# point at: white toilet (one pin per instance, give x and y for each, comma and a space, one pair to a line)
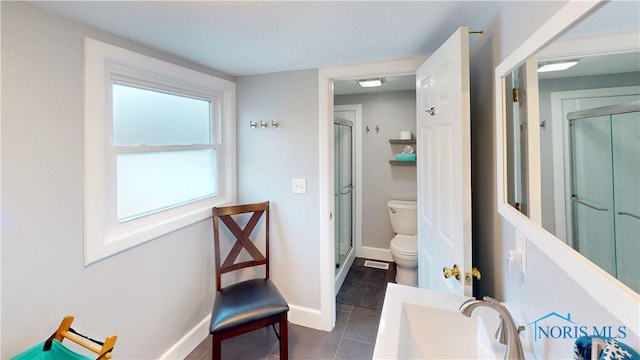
404, 246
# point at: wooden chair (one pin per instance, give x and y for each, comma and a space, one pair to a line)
251, 304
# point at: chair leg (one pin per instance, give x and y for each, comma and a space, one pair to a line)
216, 348
284, 337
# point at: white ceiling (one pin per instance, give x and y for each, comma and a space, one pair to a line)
243, 38
613, 18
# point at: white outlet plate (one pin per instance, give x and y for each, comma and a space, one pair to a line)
521, 246
299, 186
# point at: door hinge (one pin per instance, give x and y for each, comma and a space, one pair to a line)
516, 96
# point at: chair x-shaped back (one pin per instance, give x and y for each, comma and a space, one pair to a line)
243, 240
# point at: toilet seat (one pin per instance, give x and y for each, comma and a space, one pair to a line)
406, 245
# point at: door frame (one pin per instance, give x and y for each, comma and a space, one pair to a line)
326, 77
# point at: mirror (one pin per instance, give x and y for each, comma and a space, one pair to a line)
576, 173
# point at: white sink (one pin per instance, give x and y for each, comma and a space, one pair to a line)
429, 333
424, 324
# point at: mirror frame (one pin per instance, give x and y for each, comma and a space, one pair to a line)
601, 285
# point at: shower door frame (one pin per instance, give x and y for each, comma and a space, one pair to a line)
356, 223
561, 166
344, 172
606, 115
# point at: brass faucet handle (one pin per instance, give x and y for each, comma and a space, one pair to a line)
448, 272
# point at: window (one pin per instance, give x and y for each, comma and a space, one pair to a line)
158, 148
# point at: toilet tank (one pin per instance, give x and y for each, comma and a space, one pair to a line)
403, 215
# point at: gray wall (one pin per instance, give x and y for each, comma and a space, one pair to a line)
392, 112
498, 41
267, 161
151, 295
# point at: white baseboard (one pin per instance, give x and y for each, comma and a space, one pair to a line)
311, 318
374, 253
187, 343
298, 315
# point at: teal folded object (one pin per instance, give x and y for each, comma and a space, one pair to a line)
405, 157
57, 352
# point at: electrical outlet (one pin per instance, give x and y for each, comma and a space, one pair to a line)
299, 186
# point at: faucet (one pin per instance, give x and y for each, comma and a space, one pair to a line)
514, 346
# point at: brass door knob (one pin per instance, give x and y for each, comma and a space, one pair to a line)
448, 272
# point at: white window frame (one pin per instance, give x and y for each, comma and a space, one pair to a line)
103, 235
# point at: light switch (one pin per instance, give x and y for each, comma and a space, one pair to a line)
299, 186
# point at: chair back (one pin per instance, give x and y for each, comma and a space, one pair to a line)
225, 215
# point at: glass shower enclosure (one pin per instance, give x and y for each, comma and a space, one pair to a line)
343, 172
605, 188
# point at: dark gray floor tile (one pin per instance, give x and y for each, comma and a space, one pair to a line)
200, 350
343, 307
257, 344
363, 325
307, 343
354, 350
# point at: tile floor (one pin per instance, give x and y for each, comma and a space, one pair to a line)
352, 338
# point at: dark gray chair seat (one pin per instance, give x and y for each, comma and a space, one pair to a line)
246, 302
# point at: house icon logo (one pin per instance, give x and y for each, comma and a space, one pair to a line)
556, 326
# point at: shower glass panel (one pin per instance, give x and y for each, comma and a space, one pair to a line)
343, 190
591, 190
626, 172
605, 188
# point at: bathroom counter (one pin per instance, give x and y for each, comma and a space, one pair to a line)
419, 323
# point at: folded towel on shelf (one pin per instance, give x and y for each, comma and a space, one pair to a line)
602, 348
405, 157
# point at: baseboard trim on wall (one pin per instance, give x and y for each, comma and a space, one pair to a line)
307, 317
188, 343
374, 253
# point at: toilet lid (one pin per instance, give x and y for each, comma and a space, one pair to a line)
405, 244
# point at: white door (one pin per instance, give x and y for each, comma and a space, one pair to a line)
444, 166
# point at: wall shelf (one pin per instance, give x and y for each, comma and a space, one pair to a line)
402, 142
402, 163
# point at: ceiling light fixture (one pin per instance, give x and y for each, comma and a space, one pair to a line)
556, 66
370, 82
